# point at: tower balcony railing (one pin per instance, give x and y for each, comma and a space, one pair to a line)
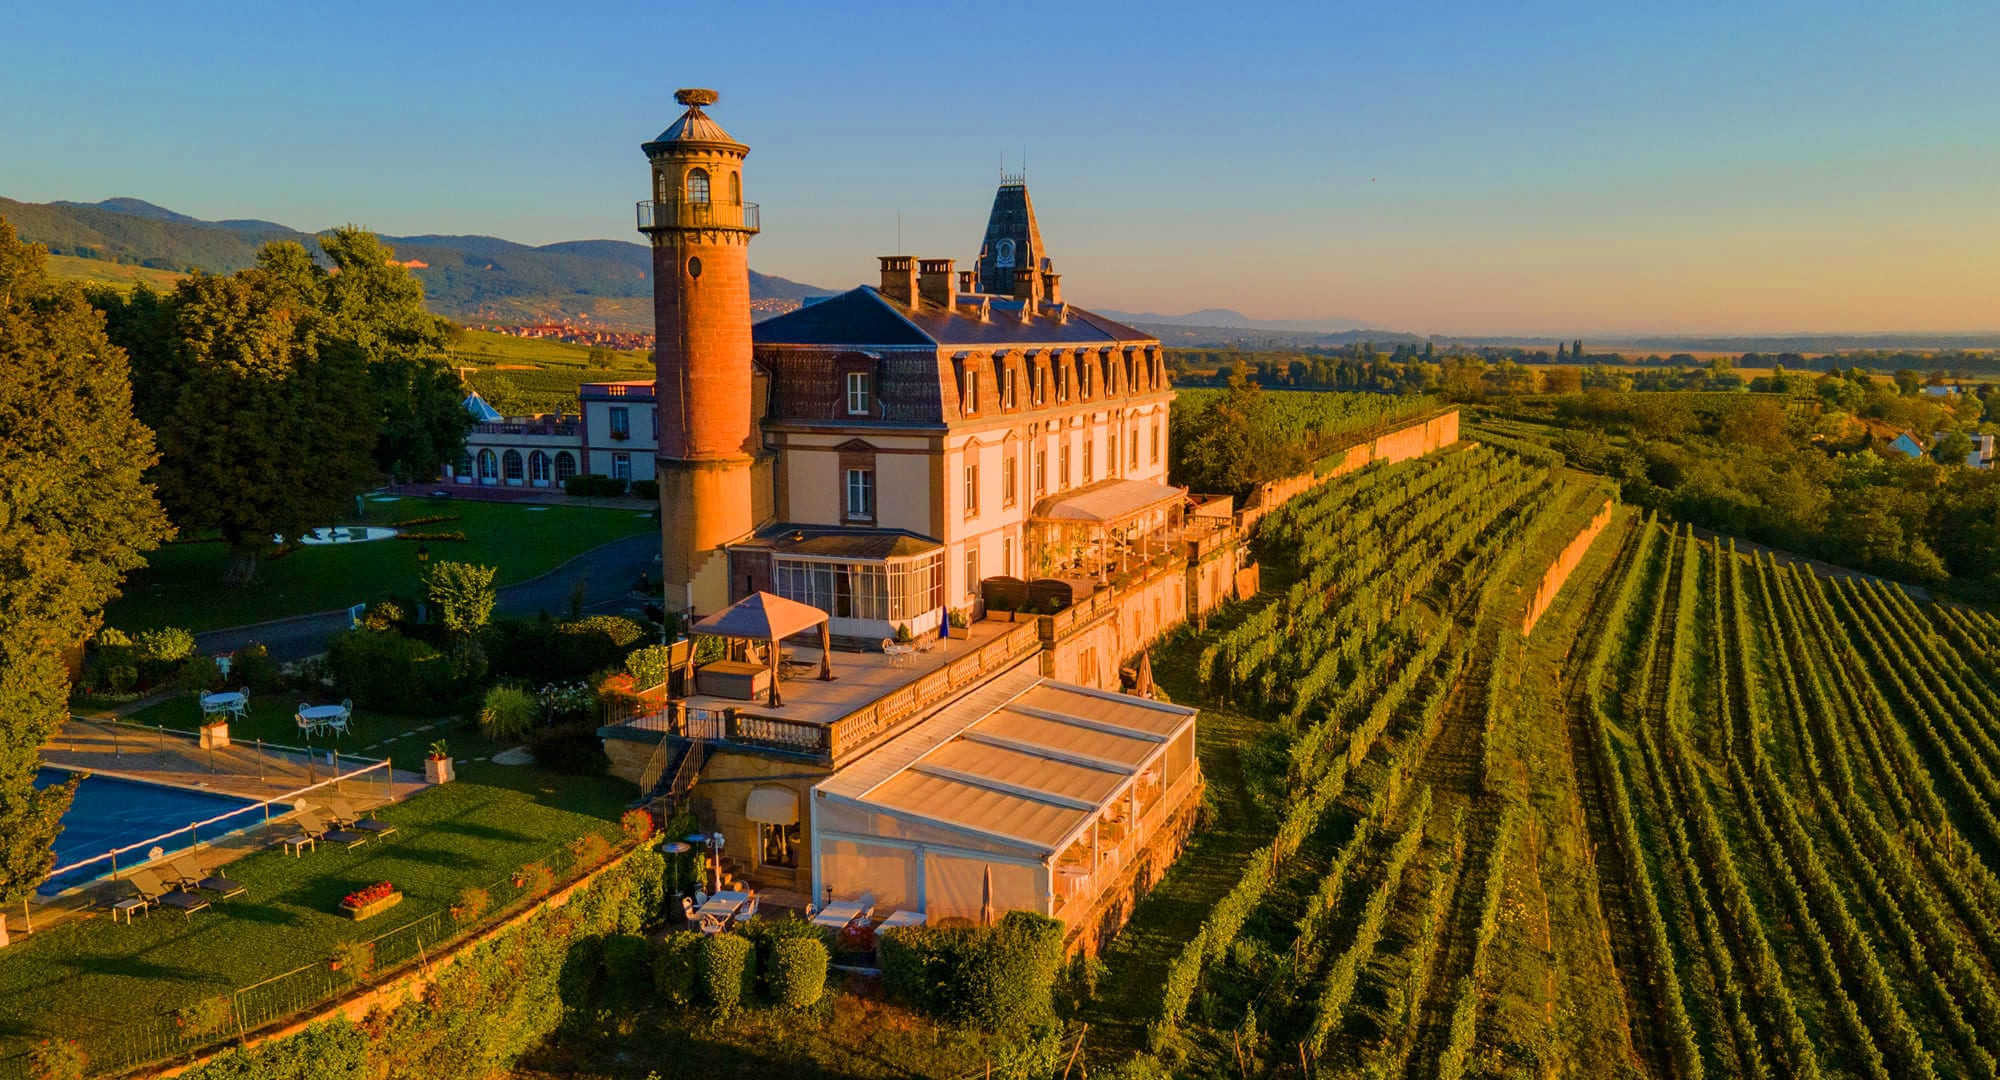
687, 213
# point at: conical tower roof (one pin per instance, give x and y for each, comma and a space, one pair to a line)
694, 126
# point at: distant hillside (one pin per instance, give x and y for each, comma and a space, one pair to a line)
1229, 319
465, 277
1253, 338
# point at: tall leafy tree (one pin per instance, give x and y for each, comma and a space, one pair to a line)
255, 407
75, 515
378, 306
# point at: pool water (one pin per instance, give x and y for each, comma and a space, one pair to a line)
111, 813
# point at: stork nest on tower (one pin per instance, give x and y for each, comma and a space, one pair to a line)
696, 97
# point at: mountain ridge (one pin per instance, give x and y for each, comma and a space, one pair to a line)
465, 277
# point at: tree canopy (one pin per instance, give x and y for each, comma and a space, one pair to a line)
75, 516
280, 391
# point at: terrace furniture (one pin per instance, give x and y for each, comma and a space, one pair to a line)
193, 877
127, 905
157, 892
723, 906
314, 717
344, 815
226, 704
312, 825
898, 919
840, 913
898, 655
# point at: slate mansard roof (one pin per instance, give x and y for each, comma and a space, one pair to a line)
862, 318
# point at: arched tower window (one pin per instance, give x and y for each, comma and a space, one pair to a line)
736, 188
697, 185
663, 186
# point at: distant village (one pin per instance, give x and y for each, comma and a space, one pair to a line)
578, 334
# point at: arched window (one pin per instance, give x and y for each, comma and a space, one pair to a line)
511, 463
465, 466
663, 187
565, 466
736, 188
538, 467
489, 466
697, 185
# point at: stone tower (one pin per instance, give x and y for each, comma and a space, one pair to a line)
700, 229
1013, 240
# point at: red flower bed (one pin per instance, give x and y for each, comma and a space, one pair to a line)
378, 891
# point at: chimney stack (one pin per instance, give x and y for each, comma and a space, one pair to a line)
935, 284
1052, 286
1027, 286
899, 279
965, 282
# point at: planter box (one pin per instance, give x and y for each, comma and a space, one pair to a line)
438, 770
214, 736
373, 908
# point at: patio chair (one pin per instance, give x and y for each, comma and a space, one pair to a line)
687, 908
316, 827
194, 877
157, 892
344, 815
749, 910
710, 924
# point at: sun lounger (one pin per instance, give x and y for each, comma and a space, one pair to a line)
193, 876
157, 892
344, 815
316, 827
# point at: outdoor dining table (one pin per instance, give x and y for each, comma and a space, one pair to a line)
839, 914
899, 919
723, 905
319, 716
224, 702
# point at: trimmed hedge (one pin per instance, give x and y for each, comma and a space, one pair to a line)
648, 666
796, 974
383, 670
1001, 978
676, 967
591, 485
726, 966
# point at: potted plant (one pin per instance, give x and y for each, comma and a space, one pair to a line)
903, 635
371, 901
437, 766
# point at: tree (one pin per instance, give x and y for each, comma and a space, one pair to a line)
463, 593
599, 358
1951, 448
377, 306
75, 516
254, 407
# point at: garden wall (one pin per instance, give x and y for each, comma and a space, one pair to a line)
1410, 441
1559, 571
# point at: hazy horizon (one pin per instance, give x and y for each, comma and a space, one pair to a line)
1569, 171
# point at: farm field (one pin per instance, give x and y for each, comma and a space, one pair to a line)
1395, 878
121, 276
524, 376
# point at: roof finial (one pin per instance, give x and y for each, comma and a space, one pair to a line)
696, 97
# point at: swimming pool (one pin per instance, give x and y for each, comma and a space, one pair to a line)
109, 812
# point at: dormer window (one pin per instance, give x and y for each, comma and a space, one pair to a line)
697, 185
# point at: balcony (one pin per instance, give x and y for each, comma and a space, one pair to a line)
657, 214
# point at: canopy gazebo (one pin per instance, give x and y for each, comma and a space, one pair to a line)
771, 618
1100, 525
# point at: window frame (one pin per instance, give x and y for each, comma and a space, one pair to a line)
861, 480
972, 489
706, 197
858, 383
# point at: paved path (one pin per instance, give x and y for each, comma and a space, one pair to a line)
607, 573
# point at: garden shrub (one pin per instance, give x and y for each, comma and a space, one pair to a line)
333, 1050
648, 666
389, 672
646, 489
199, 674
676, 966
353, 959
590, 849
592, 485
522, 649
796, 974
472, 903
57, 1059
253, 667
1001, 977
727, 968
628, 975
507, 714
383, 615
535, 879
637, 825
573, 749
596, 641
165, 645
206, 1017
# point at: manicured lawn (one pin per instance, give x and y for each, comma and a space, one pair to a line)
183, 587
86, 976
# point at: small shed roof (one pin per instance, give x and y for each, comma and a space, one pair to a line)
1106, 500
761, 615
1028, 767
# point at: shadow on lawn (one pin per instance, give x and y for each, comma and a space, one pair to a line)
479, 832
127, 967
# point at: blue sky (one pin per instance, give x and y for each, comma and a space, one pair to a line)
1443, 168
